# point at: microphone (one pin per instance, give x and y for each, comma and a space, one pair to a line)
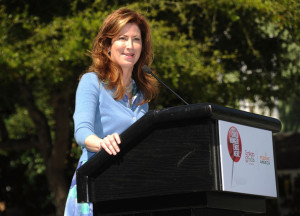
146, 69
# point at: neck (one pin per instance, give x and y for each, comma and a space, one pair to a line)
127, 73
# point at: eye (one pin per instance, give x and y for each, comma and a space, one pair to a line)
137, 39
122, 38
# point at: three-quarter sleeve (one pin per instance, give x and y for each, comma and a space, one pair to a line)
87, 99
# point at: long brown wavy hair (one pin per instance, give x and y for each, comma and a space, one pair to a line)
110, 72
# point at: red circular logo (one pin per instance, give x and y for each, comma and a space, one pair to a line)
234, 144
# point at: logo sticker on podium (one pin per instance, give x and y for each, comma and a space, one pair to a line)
234, 144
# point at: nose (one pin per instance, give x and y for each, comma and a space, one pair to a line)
129, 44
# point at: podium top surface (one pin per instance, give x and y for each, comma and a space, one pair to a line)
208, 110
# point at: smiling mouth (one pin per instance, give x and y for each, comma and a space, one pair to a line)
128, 54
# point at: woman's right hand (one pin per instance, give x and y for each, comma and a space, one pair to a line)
109, 143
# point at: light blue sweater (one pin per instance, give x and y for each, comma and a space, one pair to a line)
97, 112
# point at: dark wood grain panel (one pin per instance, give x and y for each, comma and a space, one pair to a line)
168, 161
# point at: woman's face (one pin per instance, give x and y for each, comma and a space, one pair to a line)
127, 46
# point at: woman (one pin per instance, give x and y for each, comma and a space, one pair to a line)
114, 93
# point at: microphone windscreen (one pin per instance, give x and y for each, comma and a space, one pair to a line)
146, 69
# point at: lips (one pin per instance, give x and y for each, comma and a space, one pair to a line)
129, 55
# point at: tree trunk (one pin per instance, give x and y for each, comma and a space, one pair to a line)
43, 142
53, 152
56, 163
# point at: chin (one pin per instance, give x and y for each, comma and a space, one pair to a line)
127, 66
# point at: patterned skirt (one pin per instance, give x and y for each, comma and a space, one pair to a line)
72, 207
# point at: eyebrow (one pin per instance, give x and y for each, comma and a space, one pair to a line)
137, 35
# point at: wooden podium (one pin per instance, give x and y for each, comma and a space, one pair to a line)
171, 163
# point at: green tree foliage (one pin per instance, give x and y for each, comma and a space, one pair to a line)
289, 114
234, 50
217, 51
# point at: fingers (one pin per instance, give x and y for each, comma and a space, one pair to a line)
110, 144
117, 138
105, 146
